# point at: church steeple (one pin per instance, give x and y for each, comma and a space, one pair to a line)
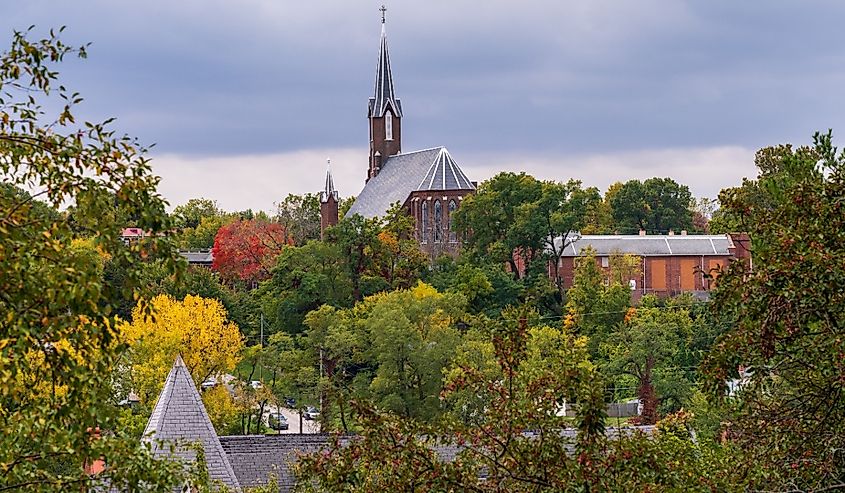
385, 111
328, 202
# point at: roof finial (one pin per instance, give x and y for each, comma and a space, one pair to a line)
383, 9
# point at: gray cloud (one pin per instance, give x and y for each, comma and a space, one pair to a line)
516, 82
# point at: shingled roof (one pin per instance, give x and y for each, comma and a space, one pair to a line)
179, 417
429, 169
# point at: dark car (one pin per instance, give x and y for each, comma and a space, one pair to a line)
290, 403
277, 421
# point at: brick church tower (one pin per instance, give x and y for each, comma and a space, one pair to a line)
328, 204
385, 112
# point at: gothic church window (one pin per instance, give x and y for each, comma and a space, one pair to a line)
424, 222
388, 125
438, 222
453, 238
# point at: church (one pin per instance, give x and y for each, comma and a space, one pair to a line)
428, 184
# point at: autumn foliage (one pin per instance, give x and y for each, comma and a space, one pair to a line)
197, 328
246, 250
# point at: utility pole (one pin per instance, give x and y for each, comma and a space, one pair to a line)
261, 343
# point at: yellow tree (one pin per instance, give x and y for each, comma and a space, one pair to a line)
195, 327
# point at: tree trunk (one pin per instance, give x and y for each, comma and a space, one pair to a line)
647, 395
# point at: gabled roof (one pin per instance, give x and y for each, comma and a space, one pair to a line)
179, 417
384, 96
651, 245
429, 169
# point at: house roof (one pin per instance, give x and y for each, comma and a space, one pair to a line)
200, 257
429, 169
179, 417
650, 245
256, 457
384, 96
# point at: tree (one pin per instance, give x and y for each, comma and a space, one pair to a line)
59, 339
191, 213
304, 279
357, 238
656, 204
515, 441
196, 328
515, 220
646, 347
246, 250
407, 337
299, 216
788, 315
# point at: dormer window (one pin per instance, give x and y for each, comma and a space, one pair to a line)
388, 125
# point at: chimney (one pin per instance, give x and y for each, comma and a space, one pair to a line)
642, 232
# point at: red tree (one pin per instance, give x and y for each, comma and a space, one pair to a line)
247, 250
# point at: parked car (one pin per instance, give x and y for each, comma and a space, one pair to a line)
277, 421
208, 384
290, 403
256, 384
311, 413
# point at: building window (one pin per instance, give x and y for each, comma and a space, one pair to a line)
438, 222
605, 262
453, 237
424, 222
388, 125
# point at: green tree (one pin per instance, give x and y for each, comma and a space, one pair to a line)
656, 204
788, 315
513, 441
299, 215
59, 339
191, 213
646, 347
304, 279
516, 219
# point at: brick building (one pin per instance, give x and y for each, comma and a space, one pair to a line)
668, 264
428, 184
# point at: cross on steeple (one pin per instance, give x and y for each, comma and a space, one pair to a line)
383, 9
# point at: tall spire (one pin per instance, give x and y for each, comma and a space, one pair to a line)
384, 95
329, 190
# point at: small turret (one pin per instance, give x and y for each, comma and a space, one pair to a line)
328, 203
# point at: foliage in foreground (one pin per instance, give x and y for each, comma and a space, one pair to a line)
789, 312
517, 441
59, 339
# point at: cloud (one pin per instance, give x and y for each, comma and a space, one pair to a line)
256, 182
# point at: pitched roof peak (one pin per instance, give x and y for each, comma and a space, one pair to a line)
179, 417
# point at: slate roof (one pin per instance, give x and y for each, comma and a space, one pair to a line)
384, 96
429, 169
256, 457
179, 417
651, 245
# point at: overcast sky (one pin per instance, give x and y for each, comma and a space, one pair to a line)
246, 99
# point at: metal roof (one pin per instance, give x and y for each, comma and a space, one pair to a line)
179, 417
429, 169
201, 257
651, 245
